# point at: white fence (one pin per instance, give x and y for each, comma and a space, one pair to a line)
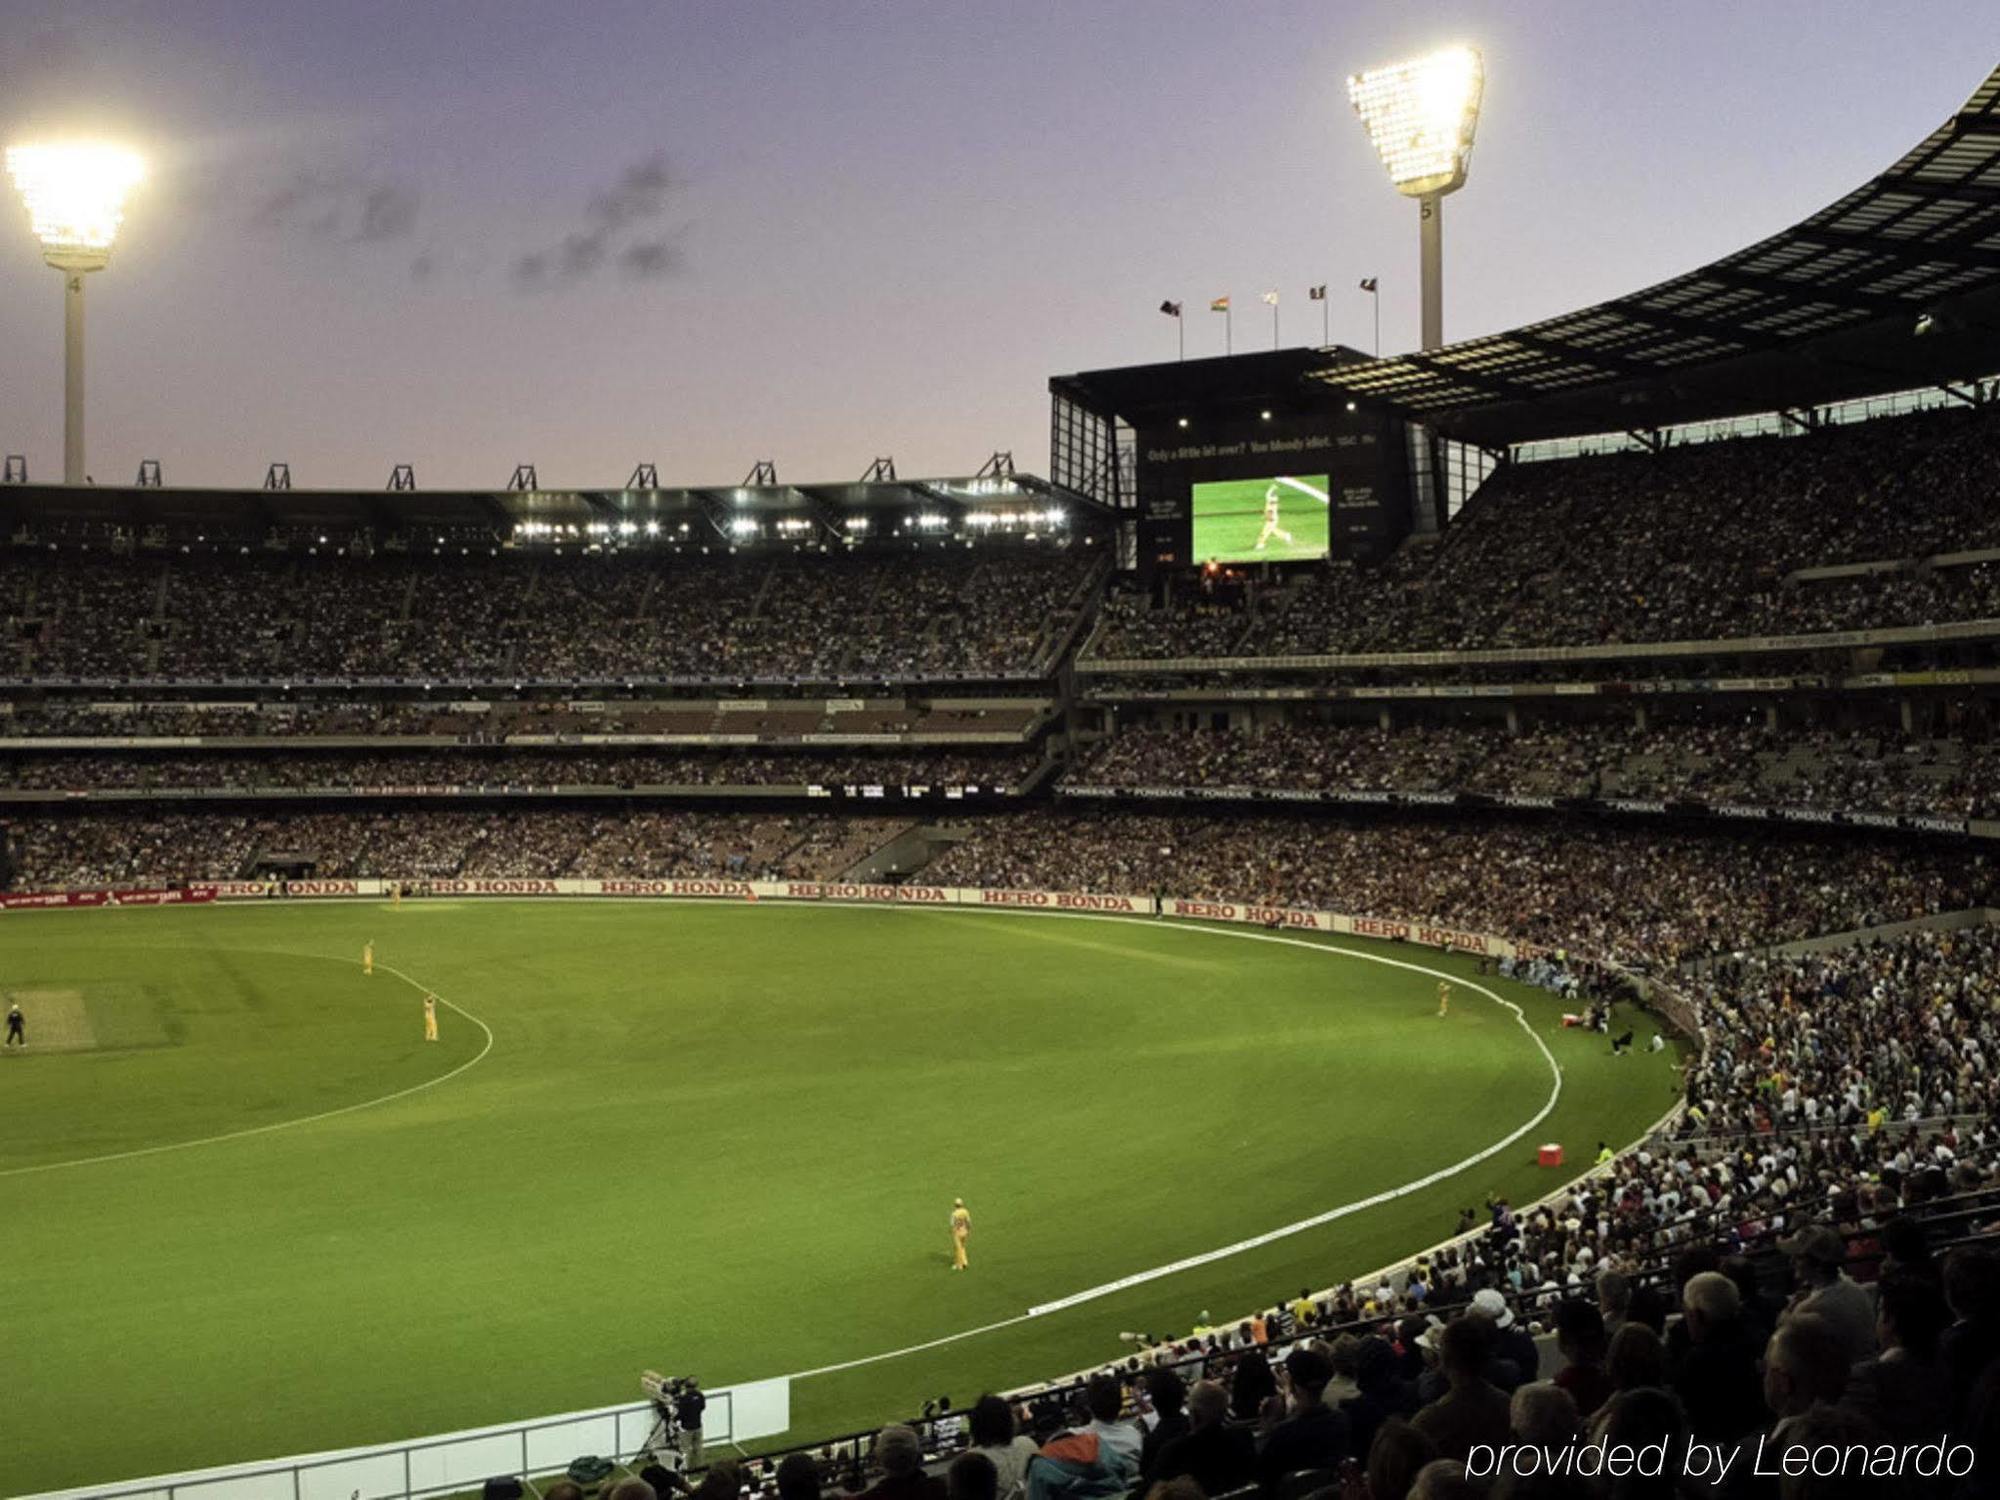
460, 1462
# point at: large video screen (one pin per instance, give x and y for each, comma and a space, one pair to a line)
1282, 518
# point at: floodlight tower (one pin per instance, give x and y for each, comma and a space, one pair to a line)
76, 198
1421, 116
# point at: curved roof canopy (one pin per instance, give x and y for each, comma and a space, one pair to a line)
1895, 286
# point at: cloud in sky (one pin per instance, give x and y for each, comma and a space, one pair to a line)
604, 239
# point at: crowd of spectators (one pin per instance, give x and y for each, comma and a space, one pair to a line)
144, 849
1715, 762
1635, 896
404, 769
1695, 543
771, 719
936, 612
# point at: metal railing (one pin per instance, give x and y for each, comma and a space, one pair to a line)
454, 1464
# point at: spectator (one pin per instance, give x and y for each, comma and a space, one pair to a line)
1444, 1479
1614, 1297
798, 1477
1580, 1339
1971, 1345
1250, 1387
1805, 1363
1107, 1404
1380, 1393
1167, 1394
1906, 1390
1312, 1434
1398, 1454
1518, 1361
1818, 1255
1716, 1377
1473, 1410
972, 1476
1637, 1359
900, 1456
1542, 1414
994, 1434
1642, 1418
1213, 1453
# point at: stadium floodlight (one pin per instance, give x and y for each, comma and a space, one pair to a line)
75, 194
1421, 116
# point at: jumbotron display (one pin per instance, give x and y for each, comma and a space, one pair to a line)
1282, 518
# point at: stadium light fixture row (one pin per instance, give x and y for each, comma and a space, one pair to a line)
1421, 116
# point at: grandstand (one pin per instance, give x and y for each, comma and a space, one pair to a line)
1699, 720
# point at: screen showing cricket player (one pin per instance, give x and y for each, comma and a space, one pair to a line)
1281, 519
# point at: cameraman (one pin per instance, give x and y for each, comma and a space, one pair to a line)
688, 1405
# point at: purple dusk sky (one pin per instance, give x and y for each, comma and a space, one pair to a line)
467, 233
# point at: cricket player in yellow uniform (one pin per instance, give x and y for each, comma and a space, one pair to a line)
961, 1230
430, 1018
1444, 999
368, 957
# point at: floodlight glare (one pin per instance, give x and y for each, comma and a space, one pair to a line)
75, 194
1421, 116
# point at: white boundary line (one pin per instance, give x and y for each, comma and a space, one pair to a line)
329, 1114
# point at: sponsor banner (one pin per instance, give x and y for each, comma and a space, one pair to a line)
1060, 901
740, 889
31, 900
894, 895
492, 887
1428, 934
302, 889
1253, 912
1939, 825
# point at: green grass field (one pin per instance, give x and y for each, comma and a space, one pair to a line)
1229, 519
720, 1139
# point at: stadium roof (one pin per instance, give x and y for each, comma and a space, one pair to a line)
1273, 377
1893, 287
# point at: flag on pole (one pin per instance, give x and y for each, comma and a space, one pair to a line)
1270, 299
1220, 304
1171, 309
1368, 283
1316, 293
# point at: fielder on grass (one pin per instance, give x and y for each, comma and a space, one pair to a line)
961, 1231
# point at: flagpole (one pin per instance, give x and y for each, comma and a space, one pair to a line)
1229, 330
1325, 334
1180, 327
1274, 325
1377, 295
